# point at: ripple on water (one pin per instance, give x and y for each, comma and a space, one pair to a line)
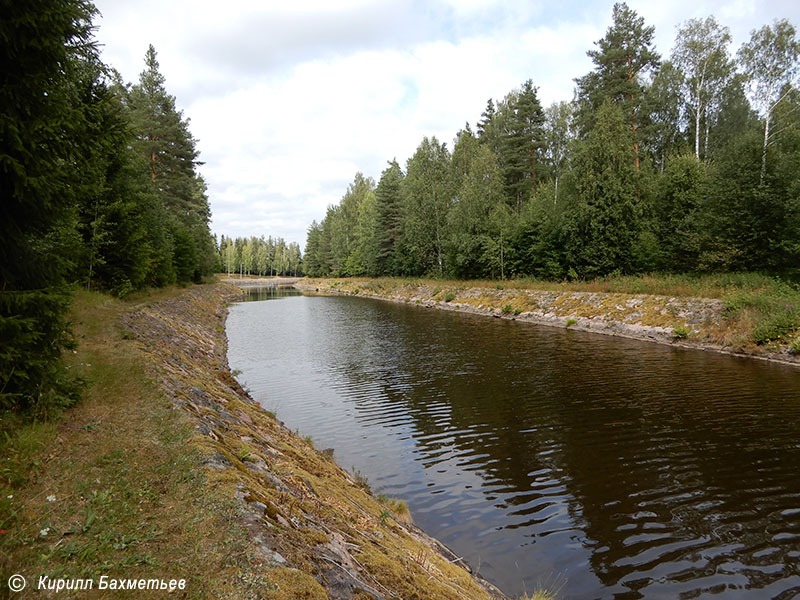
619, 469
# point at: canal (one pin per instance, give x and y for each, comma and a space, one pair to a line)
597, 466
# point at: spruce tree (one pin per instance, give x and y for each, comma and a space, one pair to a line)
164, 140
388, 223
520, 146
604, 221
46, 52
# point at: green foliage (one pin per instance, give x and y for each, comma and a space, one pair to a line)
426, 201
48, 58
99, 187
681, 190
679, 332
655, 167
507, 309
774, 310
163, 140
604, 220
34, 334
388, 220
520, 146
571, 322
449, 297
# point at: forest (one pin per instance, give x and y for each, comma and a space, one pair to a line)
680, 164
259, 256
101, 190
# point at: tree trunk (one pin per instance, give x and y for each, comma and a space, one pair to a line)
502, 261
633, 123
764, 149
697, 132
555, 199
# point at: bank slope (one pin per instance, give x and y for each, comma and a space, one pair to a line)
316, 532
701, 323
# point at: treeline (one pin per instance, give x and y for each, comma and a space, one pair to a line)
100, 189
259, 256
682, 164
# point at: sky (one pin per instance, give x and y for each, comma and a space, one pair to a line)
288, 100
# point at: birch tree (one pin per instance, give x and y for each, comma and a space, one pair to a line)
701, 53
770, 63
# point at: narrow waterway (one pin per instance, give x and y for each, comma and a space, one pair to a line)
603, 467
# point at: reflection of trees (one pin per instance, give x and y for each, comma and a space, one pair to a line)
658, 454
269, 293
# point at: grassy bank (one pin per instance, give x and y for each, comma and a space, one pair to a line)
112, 489
168, 469
746, 313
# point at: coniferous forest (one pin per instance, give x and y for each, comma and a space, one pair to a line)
679, 163
100, 190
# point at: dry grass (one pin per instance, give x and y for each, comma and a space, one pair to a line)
689, 285
113, 488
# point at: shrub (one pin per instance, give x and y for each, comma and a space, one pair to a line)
679, 332
507, 309
449, 297
776, 325
571, 322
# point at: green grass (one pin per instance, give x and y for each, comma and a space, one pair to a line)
112, 487
772, 312
679, 332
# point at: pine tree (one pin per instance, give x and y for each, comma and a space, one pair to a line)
521, 145
623, 58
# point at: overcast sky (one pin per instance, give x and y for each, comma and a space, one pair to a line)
290, 99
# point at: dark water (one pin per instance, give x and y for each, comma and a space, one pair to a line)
605, 467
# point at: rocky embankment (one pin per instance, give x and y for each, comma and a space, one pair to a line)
689, 322
317, 532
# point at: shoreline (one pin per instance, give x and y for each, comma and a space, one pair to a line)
644, 317
317, 531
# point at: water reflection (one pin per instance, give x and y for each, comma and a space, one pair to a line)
271, 292
629, 470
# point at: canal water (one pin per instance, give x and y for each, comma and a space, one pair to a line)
597, 466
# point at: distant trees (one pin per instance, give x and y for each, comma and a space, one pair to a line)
689, 164
259, 256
